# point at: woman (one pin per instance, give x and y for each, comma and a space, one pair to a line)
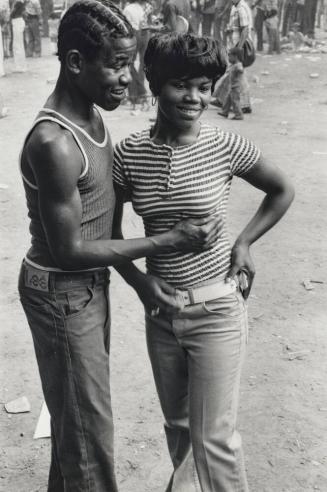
182, 168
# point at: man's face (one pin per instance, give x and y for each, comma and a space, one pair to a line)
104, 81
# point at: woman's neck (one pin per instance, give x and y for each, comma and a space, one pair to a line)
166, 133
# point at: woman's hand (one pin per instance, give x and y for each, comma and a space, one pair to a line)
242, 266
197, 234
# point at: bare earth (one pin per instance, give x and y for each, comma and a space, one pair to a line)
283, 412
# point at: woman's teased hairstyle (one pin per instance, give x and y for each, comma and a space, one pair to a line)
86, 26
171, 56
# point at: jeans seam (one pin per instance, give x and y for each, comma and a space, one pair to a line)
195, 478
236, 454
204, 449
75, 400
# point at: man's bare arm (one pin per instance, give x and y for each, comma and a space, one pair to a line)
57, 164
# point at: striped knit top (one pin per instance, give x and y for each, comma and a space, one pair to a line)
94, 185
167, 184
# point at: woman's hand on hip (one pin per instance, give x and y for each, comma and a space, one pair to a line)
242, 266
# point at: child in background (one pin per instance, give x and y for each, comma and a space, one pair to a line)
236, 74
296, 37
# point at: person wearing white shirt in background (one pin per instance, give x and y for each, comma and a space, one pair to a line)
18, 26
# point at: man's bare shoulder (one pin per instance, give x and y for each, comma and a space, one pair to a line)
53, 149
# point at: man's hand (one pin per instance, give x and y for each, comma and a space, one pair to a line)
197, 234
156, 294
242, 267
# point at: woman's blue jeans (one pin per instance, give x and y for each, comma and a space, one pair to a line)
196, 359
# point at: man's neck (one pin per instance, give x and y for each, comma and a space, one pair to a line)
67, 100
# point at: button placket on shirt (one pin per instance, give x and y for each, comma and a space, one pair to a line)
167, 193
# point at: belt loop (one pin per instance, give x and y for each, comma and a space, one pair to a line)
52, 282
191, 296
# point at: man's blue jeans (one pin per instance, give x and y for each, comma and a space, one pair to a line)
69, 317
196, 358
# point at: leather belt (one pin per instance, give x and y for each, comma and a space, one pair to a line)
203, 293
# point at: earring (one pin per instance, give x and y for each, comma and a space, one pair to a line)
153, 101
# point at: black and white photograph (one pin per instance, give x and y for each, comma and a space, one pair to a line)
163, 230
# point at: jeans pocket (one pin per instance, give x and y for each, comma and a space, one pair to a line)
73, 303
229, 306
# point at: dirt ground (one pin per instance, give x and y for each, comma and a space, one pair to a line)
283, 411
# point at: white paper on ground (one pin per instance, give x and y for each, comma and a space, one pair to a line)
43, 424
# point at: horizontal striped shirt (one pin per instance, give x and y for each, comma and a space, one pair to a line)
167, 184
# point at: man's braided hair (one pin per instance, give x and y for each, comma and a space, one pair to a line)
86, 26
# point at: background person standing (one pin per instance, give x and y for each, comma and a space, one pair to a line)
32, 18
18, 27
240, 29
47, 9
136, 13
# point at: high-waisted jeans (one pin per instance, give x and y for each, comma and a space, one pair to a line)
69, 317
196, 359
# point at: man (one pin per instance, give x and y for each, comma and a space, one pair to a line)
66, 165
240, 23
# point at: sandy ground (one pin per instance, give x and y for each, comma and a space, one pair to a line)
283, 411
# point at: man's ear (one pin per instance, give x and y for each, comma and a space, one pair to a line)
74, 61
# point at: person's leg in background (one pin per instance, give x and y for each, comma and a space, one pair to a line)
195, 21
35, 27
2, 70
287, 17
29, 37
47, 9
18, 44
277, 41
226, 107
270, 39
207, 24
258, 25
245, 95
235, 98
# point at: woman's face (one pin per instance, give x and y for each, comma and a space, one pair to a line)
182, 101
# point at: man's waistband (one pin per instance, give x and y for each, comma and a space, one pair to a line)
48, 280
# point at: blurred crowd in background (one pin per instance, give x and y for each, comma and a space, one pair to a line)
271, 24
